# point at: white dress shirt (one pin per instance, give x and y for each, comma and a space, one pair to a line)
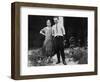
58, 30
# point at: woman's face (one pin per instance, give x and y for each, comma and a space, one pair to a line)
48, 23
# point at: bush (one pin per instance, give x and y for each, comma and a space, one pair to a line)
79, 54
37, 58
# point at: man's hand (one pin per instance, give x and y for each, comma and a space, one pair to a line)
64, 42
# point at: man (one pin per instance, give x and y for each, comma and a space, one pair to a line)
58, 32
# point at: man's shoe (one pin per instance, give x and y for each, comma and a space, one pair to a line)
64, 63
57, 62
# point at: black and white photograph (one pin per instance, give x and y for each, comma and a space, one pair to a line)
57, 40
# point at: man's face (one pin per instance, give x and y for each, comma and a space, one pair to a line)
55, 20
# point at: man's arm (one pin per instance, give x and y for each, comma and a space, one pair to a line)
53, 33
63, 30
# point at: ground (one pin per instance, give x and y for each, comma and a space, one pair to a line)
72, 57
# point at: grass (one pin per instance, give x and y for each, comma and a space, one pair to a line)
77, 54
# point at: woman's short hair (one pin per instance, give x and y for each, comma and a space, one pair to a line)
48, 20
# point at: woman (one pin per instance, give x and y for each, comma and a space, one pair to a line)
47, 45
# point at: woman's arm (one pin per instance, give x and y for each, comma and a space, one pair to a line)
42, 31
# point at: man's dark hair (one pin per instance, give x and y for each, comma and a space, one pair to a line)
56, 17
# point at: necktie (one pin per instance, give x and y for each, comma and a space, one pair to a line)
56, 29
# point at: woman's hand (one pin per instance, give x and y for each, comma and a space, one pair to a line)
42, 32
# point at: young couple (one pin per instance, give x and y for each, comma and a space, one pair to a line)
54, 38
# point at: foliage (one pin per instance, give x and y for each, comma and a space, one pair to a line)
37, 58
79, 54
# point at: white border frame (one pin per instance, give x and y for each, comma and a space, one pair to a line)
25, 70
